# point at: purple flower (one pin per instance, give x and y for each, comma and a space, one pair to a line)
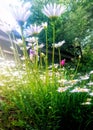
32, 55
32, 52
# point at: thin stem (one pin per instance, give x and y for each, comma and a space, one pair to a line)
46, 49
24, 44
47, 76
37, 56
53, 52
59, 55
76, 68
40, 60
25, 52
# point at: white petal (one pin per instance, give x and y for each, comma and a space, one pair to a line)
27, 15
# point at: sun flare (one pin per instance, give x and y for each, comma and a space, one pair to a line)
6, 15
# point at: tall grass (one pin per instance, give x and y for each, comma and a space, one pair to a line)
39, 105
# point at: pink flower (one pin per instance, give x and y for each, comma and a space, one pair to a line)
62, 62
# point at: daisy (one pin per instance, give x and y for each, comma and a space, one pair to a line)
53, 10
21, 12
33, 30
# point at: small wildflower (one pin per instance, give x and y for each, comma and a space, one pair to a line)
79, 57
90, 83
44, 25
18, 42
62, 89
72, 82
41, 46
89, 99
12, 48
33, 30
32, 54
86, 77
91, 72
1, 84
59, 44
79, 90
22, 48
32, 44
32, 39
62, 62
50, 107
62, 81
55, 66
7, 28
91, 94
86, 103
22, 58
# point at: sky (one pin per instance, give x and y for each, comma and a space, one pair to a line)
5, 14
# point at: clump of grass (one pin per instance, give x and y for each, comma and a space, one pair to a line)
33, 104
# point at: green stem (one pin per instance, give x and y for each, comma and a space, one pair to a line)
40, 60
76, 68
47, 76
46, 49
24, 44
25, 52
59, 55
37, 57
53, 51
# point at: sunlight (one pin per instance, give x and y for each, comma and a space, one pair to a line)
6, 16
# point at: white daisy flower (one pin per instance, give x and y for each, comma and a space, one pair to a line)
44, 25
91, 72
32, 39
86, 77
59, 44
62, 89
21, 12
7, 27
18, 42
78, 89
53, 10
33, 30
90, 83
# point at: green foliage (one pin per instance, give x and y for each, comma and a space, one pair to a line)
87, 60
40, 106
35, 103
74, 23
